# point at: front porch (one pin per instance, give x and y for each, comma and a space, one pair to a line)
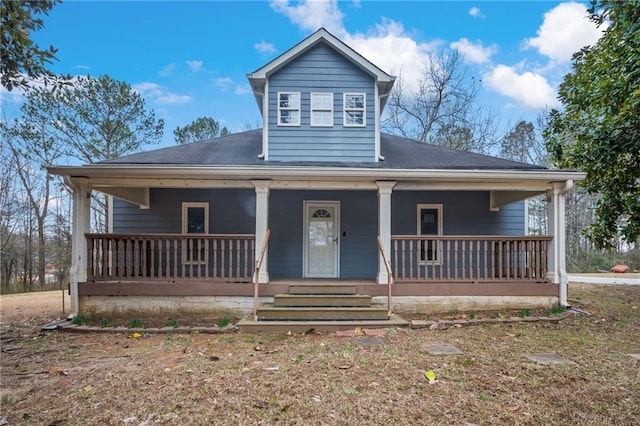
230, 259
223, 265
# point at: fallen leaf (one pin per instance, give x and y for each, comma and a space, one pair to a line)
430, 375
343, 367
513, 408
55, 371
136, 335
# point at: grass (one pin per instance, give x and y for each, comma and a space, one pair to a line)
135, 323
315, 379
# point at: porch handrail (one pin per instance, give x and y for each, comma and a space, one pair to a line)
387, 265
256, 274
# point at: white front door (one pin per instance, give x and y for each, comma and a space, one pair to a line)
321, 239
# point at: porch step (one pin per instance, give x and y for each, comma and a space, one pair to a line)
321, 300
247, 325
323, 289
269, 312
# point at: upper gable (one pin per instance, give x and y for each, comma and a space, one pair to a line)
321, 101
258, 78
321, 107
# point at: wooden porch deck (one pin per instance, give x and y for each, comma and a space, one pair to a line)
277, 286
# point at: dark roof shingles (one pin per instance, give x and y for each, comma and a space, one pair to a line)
243, 149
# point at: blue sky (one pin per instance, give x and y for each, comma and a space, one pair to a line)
190, 59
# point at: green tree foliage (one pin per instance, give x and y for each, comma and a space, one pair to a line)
97, 118
202, 128
20, 55
598, 131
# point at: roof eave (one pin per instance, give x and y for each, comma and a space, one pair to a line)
313, 173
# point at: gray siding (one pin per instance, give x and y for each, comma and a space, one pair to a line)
464, 213
321, 69
358, 231
231, 211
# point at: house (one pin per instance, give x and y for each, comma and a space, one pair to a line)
318, 196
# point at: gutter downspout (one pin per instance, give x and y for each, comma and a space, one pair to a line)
265, 120
378, 142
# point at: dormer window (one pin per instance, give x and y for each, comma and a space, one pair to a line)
288, 108
354, 110
322, 109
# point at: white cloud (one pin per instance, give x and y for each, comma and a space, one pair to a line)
160, 95
223, 83
408, 58
82, 67
265, 48
565, 30
476, 13
16, 96
195, 66
313, 14
474, 53
242, 89
529, 90
167, 71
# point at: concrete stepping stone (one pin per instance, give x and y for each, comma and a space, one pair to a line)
443, 349
550, 359
370, 341
636, 356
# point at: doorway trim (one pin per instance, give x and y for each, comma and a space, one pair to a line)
312, 205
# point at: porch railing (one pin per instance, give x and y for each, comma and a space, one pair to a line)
228, 257
469, 258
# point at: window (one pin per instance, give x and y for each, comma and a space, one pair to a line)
354, 110
195, 220
288, 108
322, 109
430, 223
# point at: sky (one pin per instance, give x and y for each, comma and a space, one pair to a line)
190, 59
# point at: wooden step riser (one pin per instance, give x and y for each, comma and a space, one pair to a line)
323, 289
284, 300
322, 314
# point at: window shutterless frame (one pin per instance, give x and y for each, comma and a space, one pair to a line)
355, 110
322, 109
288, 108
429, 222
195, 220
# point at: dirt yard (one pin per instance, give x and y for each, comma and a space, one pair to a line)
63, 378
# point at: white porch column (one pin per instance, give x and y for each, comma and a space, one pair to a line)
557, 265
80, 226
384, 226
262, 224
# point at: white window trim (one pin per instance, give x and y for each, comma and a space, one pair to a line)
318, 109
363, 109
437, 207
185, 208
299, 107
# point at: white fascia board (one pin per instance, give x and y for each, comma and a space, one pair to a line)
417, 179
263, 72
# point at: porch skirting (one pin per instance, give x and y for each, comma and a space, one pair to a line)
136, 298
